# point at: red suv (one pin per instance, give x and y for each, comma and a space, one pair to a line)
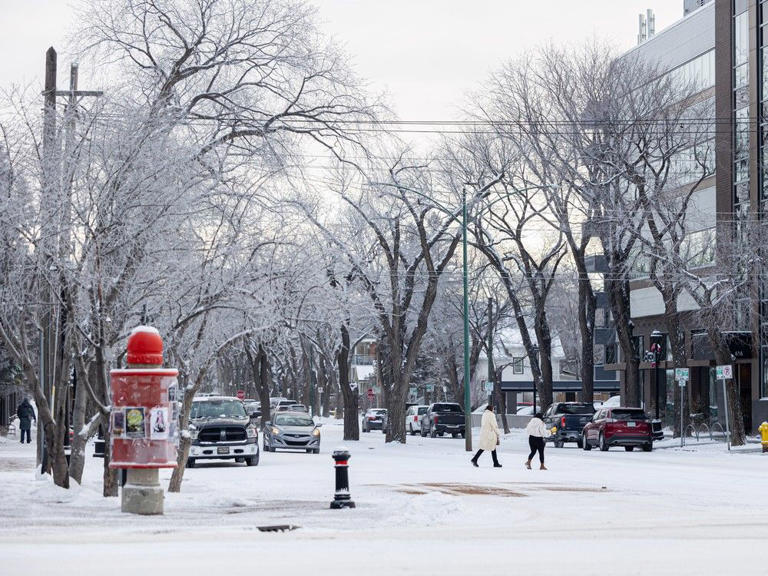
628, 427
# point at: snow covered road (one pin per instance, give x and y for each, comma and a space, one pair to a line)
421, 509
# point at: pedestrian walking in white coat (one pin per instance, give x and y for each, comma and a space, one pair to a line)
489, 436
537, 431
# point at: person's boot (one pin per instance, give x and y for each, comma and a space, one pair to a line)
528, 464
496, 465
474, 463
542, 467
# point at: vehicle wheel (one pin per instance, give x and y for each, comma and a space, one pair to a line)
316, 451
252, 460
440, 434
432, 433
240, 459
602, 443
559, 443
413, 432
580, 442
365, 429
463, 434
585, 444
629, 448
454, 434
647, 447
190, 462
310, 450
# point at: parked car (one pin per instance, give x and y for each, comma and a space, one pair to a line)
413, 418
299, 408
221, 429
284, 405
253, 408
375, 419
292, 431
628, 427
569, 418
441, 418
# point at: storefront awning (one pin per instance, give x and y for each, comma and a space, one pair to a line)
561, 386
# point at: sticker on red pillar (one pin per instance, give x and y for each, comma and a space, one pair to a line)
118, 423
158, 423
135, 426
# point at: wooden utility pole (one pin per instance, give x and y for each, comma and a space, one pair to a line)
50, 177
56, 230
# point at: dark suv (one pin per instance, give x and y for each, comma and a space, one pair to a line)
220, 429
441, 418
569, 418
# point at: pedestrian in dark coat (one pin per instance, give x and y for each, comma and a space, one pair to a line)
26, 414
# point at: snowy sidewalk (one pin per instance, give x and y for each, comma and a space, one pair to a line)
421, 509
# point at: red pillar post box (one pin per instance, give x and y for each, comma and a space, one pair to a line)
143, 421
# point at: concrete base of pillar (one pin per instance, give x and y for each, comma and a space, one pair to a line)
142, 493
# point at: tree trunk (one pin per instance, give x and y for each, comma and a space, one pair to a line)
109, 476
79, 440
618, 295
544, 337
184, 442
351, 397
587, 306
501, 399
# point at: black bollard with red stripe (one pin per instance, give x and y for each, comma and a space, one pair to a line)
341, 498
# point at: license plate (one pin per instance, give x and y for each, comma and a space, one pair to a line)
631, 424
222, 450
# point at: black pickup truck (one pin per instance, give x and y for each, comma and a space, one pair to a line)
569, 418
443, 417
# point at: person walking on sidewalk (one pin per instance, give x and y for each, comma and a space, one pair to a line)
537, 431
489, 436
26, 414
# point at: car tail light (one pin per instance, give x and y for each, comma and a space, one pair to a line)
415, 418
562, 422
371, 418
435, 420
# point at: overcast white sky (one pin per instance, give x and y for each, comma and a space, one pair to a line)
425, 54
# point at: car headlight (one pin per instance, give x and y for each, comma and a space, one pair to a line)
252, 432
316, 432
275, 431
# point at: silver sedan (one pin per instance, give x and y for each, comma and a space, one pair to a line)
292, 431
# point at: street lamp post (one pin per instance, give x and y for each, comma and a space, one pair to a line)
481, 193
465, 274
656, 340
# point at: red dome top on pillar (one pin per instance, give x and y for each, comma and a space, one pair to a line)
145, 346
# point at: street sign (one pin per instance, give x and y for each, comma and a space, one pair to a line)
489, 387
682, 374
370, 393
241, 394
724, 372
430, 387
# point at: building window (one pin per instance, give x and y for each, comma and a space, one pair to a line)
764, 375
517, 366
